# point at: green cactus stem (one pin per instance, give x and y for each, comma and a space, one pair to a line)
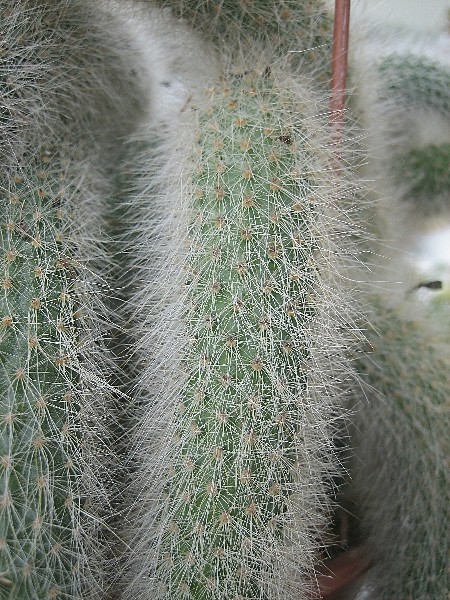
243, 350
46, 335
420, 86
57, 56
67, 92
414, 80
403, 99
400, 476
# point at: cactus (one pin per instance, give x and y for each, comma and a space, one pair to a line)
50, 400
400, 477
237, 313
413, 82
54, 55
399, 474
404, 100
300, 30
427, 169
54, 367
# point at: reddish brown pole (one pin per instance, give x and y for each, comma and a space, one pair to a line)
335, 574
339, 68
339, 572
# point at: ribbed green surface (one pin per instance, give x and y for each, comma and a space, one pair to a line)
248, 432
68, 92
40, 437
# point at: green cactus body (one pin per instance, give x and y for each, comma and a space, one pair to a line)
301, 29
43, 436
400, 475
257, 18
245, 330
237, 437
55, 57
414, 80
66, 94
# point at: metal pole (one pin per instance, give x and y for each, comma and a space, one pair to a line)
339, 68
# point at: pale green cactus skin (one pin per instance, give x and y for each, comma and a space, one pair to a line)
421, 171
62, 87
45, 436
236, 319
239, 298
400, 474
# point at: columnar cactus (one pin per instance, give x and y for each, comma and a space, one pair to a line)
237, 311
53, 362
404, 99
51, 403
415, 80
409, 82
400, 476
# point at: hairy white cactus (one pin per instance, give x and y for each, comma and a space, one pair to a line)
400, 476
238, 317
67, 93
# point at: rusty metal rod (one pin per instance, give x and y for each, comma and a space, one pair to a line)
339, 69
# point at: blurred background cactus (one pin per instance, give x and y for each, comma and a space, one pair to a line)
400, 479
399, 486
402, 80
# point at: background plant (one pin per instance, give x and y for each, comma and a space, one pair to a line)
399, 473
